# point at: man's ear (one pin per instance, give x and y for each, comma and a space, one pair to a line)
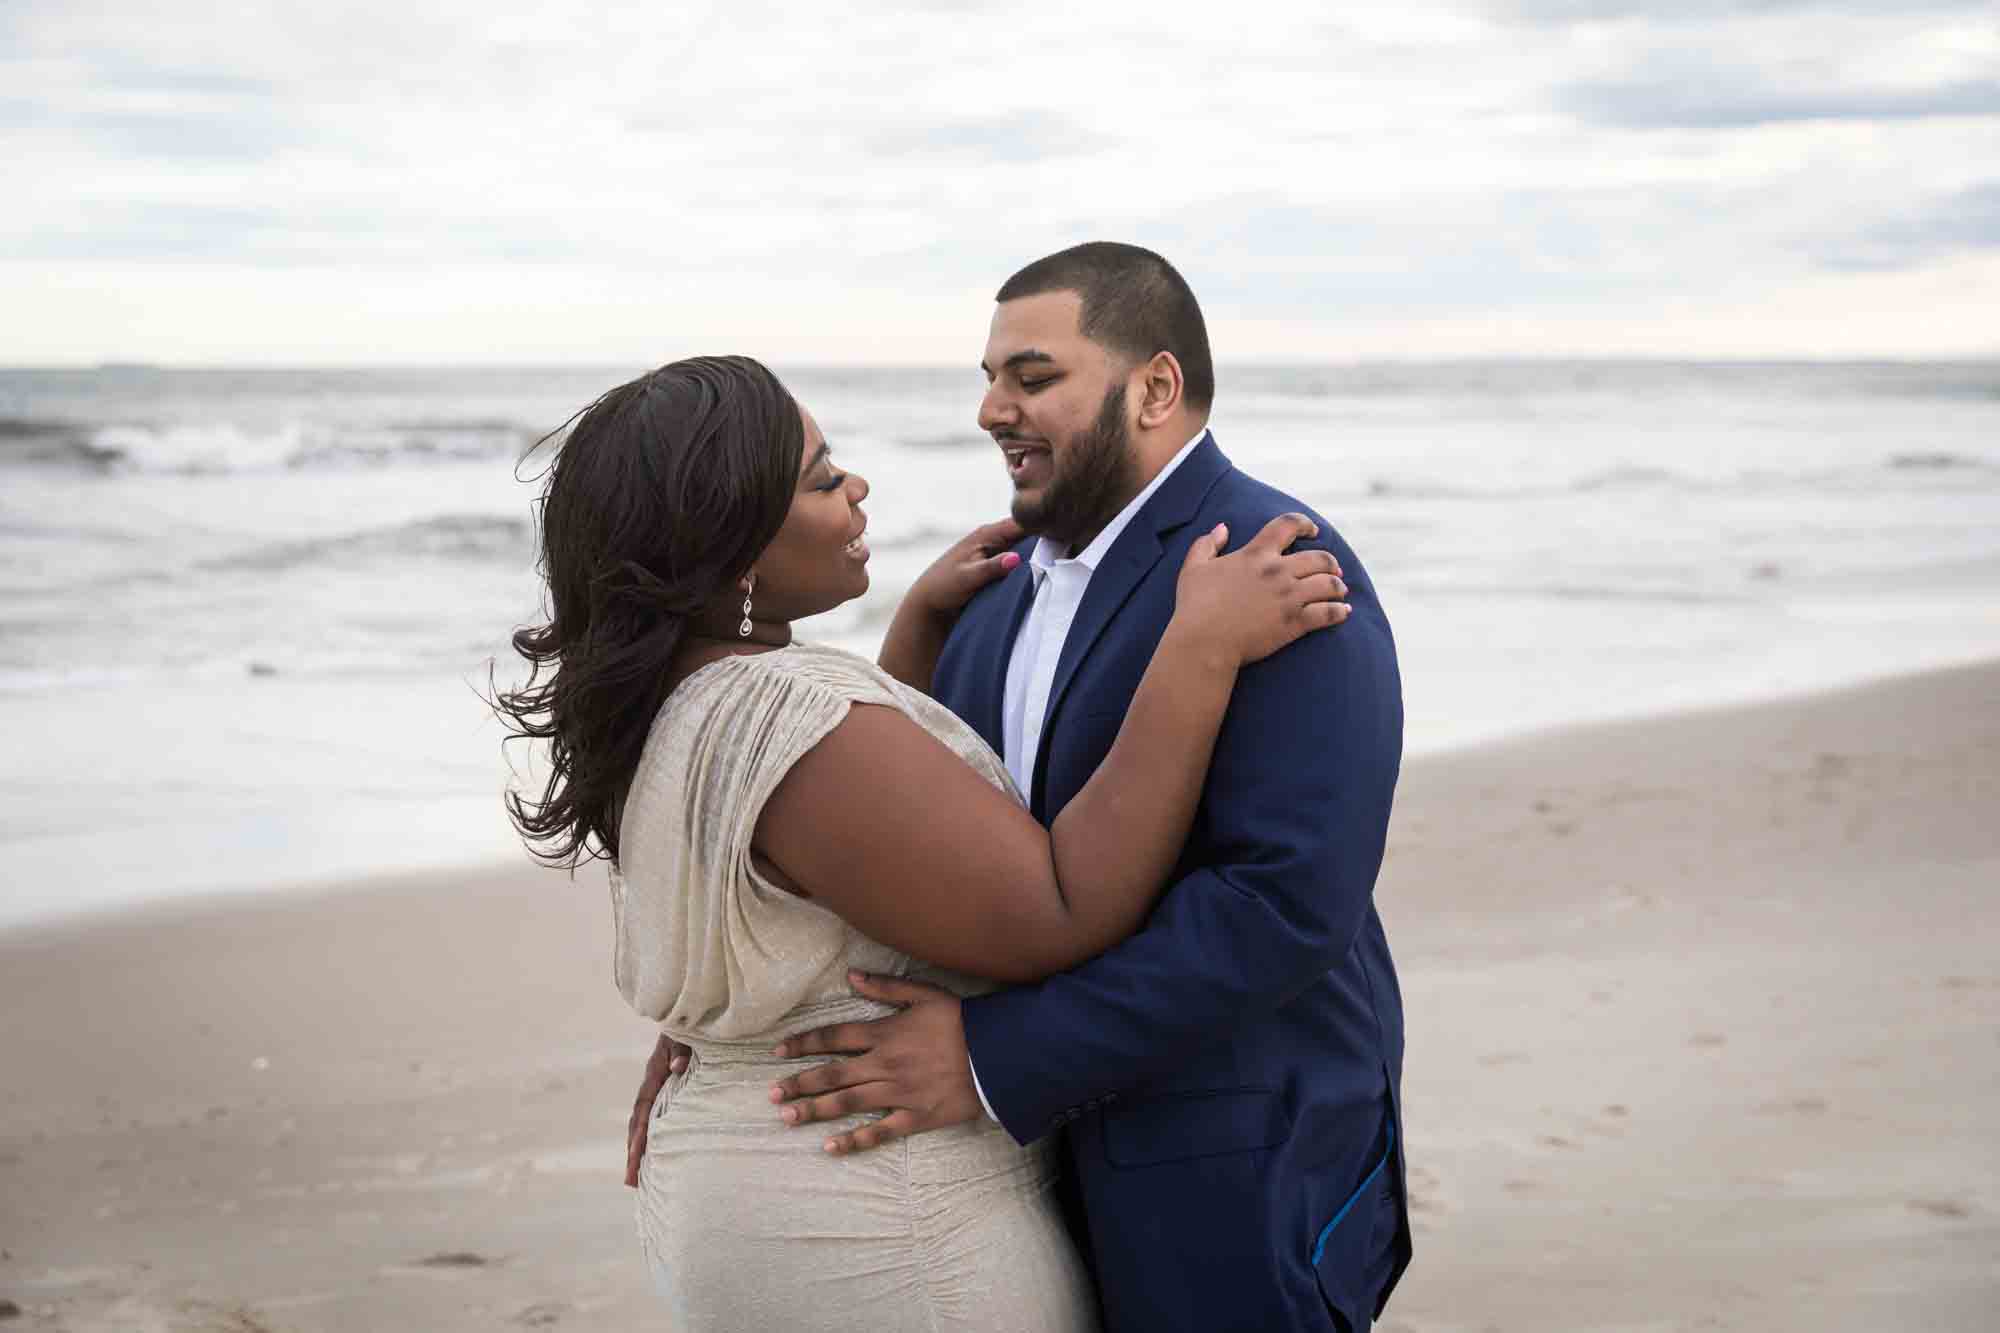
1160, 390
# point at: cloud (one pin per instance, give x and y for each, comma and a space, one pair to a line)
1961, 222
1267, 257
1688, 12
1724, 102
1032, 137
837, 175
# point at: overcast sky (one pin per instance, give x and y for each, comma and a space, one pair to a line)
395, 181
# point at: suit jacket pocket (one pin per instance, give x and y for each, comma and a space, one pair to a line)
1193, 1124
1354, 1256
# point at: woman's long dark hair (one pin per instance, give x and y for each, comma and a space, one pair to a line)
664, 493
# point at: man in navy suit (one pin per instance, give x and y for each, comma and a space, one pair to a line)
1227, 1078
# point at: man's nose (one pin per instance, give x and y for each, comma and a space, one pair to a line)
996, 409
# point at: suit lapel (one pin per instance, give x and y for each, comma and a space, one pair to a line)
991, 644
1128, 561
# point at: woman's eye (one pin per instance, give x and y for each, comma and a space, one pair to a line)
839, 480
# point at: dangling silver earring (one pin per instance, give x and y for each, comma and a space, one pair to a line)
743, 630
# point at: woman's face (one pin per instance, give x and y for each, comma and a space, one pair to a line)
818, 559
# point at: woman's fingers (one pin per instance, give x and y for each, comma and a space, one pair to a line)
1209, 545
900, 1124
669, 1057
1282, 531
988, 568
1001, 532
635, 1152
1312, 560
1321, 588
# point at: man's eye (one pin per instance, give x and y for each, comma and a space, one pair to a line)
1033, 385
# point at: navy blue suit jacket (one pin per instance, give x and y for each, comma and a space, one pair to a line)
1228, 1076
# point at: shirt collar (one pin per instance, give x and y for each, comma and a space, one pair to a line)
1047, 554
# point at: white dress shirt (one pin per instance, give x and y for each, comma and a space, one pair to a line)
1060, 583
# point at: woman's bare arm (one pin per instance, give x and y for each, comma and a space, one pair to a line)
885, 826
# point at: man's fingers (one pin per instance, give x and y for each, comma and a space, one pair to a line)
848, 1101
895, 990
826, 1078
840, 1039
873, 1135
635, 1151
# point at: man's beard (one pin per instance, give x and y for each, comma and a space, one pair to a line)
1091, 479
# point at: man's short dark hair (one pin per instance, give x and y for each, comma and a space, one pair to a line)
1133, 302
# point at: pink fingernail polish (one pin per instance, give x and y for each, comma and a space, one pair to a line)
1010, 562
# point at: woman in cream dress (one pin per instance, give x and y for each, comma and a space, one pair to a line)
777, 814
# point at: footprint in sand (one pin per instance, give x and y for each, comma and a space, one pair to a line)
1499, 1058
446, 1262
1428, 1196
542, 1314
1794, 1106
1950, 1208
202, 1317
1708, 1040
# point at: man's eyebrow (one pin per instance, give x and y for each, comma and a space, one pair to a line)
1026, 356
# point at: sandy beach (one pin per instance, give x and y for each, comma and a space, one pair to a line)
1704, 1019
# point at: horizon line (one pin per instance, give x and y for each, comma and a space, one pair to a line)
1274, 363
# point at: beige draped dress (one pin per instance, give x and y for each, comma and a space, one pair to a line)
746, 1222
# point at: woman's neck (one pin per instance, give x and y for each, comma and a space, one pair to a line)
724, 625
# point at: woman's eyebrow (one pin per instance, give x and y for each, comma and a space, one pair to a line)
819, 456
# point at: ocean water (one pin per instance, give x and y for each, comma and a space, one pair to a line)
245, 615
